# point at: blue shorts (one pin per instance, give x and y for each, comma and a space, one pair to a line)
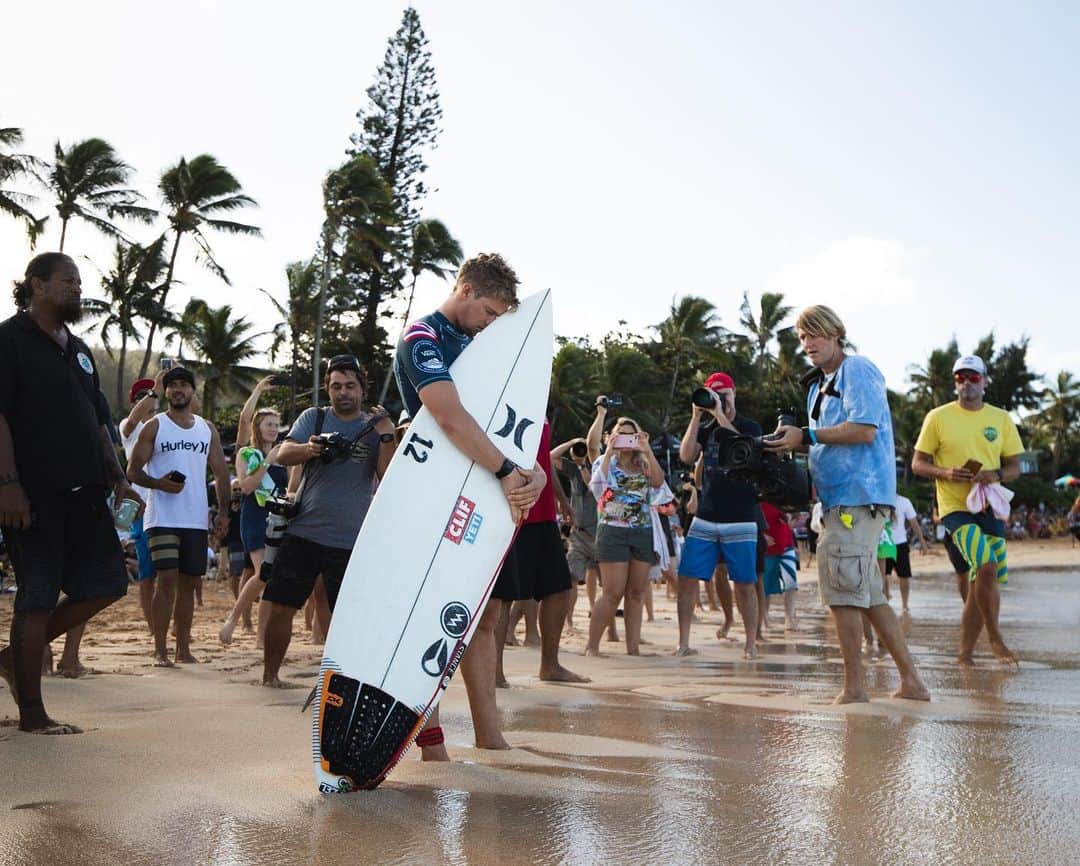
780, 572
142, 550
707, 543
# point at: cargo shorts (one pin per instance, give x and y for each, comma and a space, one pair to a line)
847, 557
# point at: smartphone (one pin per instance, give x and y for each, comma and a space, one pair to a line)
167, 363
176, 475
624, 440
280, 381
973, 466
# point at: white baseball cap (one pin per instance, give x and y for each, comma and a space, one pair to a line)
970, 362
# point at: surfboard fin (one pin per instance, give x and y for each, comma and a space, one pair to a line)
310, 700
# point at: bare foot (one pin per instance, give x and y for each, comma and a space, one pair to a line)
501, 683
684, 651
912, 692
750, 653
846, 697
559, 674
276, 683
226, 633
74, 672
163, 661
761, 638
496, 743
1003, 654
721, 633
589, 651
186, 659
50, 727
533, 642
434, 753
965, 660
510, 641
635, 652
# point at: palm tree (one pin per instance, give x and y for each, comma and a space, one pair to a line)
222, 345
691, 326
764, 326
130, 288
932, 385
297, 319
1056, 424
195, 193
432, 249
88, 180
12, 167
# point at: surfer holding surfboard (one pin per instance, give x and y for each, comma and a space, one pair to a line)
486, 288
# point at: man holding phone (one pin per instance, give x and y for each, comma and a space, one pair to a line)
962, 444
170, 459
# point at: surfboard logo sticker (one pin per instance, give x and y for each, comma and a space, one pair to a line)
512, 425
460, 523
455, 619
435, 658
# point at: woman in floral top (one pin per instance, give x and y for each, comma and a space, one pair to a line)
622, 480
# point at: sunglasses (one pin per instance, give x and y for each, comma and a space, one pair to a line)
343, 362
968, 376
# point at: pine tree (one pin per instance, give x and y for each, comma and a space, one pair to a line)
397, 127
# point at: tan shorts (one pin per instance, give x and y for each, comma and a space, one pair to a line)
847, 558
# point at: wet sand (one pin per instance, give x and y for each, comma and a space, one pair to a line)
705, 759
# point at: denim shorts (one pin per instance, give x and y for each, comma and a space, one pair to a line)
624, 543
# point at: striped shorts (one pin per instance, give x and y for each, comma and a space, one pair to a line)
981, 540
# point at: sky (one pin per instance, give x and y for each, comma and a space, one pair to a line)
913, 165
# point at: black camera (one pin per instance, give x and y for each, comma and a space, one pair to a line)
579, 449
706, 398
282, 507
335, 447
611, 401
783, 481
685, 477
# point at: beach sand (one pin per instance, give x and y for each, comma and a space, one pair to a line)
705, 759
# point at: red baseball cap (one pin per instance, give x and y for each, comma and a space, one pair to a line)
139, 385
719, 381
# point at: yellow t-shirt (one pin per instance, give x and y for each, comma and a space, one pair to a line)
953, 435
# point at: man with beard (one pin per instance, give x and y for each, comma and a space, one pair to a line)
170, 459
57, 465
334, 496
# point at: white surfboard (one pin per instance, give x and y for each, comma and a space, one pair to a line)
426, 559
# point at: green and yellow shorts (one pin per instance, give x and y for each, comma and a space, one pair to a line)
981, 540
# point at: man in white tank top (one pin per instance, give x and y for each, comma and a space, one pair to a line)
170, 459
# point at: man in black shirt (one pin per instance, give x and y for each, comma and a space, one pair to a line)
57, 466
725, 527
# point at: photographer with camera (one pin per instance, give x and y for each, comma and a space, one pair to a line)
342, 450
853, 465
571, 458
725, 526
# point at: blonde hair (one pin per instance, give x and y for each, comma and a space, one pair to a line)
821, 321
255, 440
625, 419
490, 277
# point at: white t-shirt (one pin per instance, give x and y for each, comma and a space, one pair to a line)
129, 446
904, 512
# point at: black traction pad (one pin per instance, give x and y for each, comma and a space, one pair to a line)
362, 733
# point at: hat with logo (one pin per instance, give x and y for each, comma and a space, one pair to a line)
138, 386
970, 362
719, 381
178, 374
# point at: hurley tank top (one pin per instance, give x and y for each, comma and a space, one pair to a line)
186, 451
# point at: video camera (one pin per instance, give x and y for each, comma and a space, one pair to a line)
335, 447
780, 480
611, 401
282, 507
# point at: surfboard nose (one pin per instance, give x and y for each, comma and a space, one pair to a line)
363, 730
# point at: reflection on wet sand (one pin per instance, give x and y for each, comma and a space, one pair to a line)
706, 759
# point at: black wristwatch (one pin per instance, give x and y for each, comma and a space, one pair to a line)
386, 437
507, 467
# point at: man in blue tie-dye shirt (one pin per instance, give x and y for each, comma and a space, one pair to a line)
853, 466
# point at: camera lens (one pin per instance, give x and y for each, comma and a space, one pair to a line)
703, 397
579, 449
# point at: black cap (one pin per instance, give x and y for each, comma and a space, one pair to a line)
178, 374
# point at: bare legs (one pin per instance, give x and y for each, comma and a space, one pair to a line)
620, 578
849, 629
982, 608
173, 591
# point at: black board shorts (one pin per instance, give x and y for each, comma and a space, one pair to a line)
71, 546
541, 561
902, 564
298, 563
180, 549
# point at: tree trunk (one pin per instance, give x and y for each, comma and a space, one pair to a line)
316, 360
120, 370
63, 233
164, 294
404, 325
671, 394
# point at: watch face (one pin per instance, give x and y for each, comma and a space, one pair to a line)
386, 437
